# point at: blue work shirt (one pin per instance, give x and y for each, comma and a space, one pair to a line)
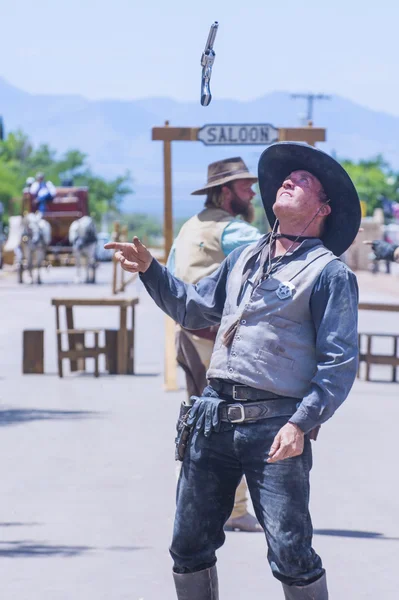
333, 305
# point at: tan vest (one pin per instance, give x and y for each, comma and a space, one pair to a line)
198, 247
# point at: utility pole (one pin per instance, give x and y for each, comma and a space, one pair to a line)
310, 102
1, 129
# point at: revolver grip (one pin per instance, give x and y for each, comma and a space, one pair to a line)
206, 96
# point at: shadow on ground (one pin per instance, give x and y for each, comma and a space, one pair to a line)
353, 533
18, 416
17, 524
29, 549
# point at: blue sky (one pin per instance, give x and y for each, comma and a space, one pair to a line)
135, 49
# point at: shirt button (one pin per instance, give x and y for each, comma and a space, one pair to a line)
231, 370
234, 354
243, 322
238, 337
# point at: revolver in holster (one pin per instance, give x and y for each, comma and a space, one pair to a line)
183, 430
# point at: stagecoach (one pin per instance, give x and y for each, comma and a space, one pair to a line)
69, 204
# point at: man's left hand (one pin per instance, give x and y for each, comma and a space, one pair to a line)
288, 443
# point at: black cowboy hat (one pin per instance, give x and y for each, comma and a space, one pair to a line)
281, 159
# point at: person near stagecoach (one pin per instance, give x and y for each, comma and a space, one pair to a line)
284, 360
202, 244
43, 191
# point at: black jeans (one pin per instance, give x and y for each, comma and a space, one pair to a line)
211, 471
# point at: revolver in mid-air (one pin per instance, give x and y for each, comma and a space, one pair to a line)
207, 59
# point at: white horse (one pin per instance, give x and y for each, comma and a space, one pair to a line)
83, 238
34, 241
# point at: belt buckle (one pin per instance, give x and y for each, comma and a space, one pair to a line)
241, 418
234, 391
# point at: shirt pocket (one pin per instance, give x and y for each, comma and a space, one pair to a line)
283, 323
272, 359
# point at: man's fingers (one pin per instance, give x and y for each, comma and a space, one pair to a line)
275, 446
117, 245
281, 453
127, 264
122, 258
137, 242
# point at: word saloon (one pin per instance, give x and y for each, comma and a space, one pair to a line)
227, 135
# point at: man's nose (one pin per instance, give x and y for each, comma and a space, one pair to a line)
287, 184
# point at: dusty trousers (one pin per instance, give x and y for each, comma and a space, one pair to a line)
193, 354
211, 471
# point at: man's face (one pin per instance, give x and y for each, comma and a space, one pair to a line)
299, 195
241, 195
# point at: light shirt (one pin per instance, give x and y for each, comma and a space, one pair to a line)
44, 185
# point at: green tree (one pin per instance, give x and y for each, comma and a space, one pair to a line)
104, 196
147, 227
9, 186
373, 179
19, 160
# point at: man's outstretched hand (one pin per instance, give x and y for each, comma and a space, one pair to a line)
134, 257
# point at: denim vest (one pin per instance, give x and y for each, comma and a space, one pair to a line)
274, 347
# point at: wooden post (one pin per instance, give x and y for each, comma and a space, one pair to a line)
111, 351
33, 351
115, 238
122, 342
309, 134
168, 212
71, 337
170, 379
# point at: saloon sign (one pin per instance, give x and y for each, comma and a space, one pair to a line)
248, 134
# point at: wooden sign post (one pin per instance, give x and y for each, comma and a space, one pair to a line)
216, 135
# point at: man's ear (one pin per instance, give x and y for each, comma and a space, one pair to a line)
226, 193
325, 209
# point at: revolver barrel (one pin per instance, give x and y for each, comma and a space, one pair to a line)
211, 37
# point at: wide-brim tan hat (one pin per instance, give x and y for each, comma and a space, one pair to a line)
224, 171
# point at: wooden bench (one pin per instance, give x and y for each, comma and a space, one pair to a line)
370, 358
366, 339
119, 343
80, 351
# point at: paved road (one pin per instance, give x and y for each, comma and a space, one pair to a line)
86, 508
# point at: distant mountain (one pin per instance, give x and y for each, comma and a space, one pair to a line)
117, 135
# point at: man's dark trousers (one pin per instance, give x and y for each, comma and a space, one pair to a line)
211, 471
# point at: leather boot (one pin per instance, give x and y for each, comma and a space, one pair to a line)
314, 591
202, 585
246, 522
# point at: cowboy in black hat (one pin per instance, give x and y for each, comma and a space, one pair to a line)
284, 360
